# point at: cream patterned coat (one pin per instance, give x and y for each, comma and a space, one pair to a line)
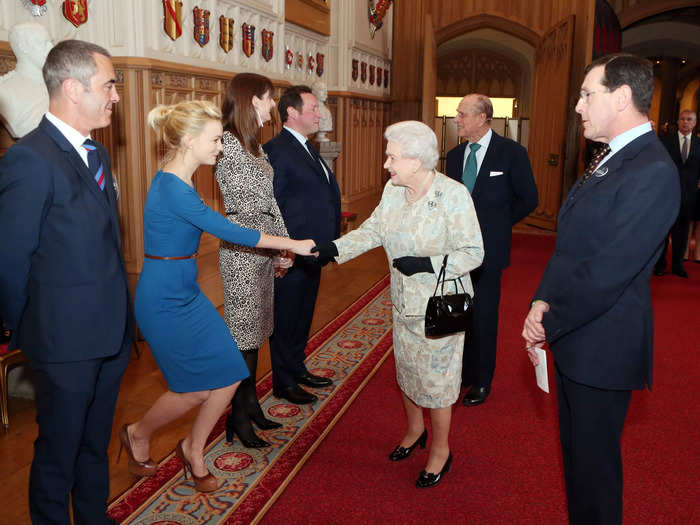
442, 222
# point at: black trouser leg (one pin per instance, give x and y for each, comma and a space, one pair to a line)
590, 427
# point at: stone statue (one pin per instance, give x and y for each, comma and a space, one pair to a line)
23, 96
320, 91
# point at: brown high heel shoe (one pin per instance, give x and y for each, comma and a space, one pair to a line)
137, 468
206, 483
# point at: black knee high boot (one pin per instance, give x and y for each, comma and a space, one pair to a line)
238, 421
251, 396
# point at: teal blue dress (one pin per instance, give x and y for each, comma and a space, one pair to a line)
188, 337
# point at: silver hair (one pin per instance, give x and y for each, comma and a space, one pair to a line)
417, 141
71, 59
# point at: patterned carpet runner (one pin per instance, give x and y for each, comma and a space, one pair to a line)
348, 350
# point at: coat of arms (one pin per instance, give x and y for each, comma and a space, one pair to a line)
363, 72
386, 78
300, 61
311, 63
201, 26
248, 39
226, 29
288, 58
371, 75
379, 76
37, 7
172, 18
75, 11
267, 45
354, 69
375, 13
319, 64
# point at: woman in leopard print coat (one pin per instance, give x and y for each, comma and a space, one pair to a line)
245, 179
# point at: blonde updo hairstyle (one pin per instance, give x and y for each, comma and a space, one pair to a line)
174, 121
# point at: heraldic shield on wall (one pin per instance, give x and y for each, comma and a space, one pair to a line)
226, 29
201, 26
267, 45
319, 64
248, 39
355, 70
172, 18
75, 11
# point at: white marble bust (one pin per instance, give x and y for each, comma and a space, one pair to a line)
23, 96
320, 91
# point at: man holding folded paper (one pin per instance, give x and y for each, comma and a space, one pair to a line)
593, 305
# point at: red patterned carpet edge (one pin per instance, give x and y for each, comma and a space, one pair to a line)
270, 487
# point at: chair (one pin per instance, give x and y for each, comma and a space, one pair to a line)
8, 358
345, 218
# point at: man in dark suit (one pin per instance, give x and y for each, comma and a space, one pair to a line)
684, 148
593, 305
497, 172
63, 286
309, 200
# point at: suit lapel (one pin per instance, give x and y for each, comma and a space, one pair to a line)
610, 169
492, 153
302, 152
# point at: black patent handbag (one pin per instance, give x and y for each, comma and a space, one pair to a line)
447, 314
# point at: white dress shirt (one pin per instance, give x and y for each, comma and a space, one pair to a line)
72, 135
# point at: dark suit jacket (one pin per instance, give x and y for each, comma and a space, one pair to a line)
610, 234
689, 171
501, 200
63, 287
309, 204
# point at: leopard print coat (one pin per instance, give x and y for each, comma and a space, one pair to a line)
245, 182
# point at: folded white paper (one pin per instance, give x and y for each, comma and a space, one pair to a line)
541, 369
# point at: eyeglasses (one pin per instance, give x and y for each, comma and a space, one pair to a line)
585, 95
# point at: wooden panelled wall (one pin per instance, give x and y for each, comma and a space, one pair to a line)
137, 152
529, 21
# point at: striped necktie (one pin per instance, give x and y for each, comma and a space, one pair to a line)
593, 164
94, 163
684, 149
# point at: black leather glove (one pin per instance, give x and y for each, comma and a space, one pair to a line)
409, 265
326, 251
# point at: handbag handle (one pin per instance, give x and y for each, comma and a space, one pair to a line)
441, 280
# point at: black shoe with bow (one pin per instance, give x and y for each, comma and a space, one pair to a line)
400, 452
428, 479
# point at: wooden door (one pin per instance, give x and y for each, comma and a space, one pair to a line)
550, 99
429, 74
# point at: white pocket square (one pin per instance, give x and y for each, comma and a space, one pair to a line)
495, 173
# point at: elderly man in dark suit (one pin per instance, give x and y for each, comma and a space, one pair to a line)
684, 148
593, 305
63, 286
309, 200
497, 172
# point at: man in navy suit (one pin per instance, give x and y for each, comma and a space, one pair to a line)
309, 200
497, 172
684, 148
63, 286
593, 305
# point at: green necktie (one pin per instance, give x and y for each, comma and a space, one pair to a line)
469, 173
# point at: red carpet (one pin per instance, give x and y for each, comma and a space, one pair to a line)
507, 465
349, 350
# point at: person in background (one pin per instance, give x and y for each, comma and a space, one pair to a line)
245, 180
63, 286
309, 199
684, 149
422, 216
593, 304
188, 338
497, 173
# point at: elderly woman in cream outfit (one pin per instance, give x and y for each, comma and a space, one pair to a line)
423, 216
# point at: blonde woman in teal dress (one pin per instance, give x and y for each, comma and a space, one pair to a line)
188, 338
423, 216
